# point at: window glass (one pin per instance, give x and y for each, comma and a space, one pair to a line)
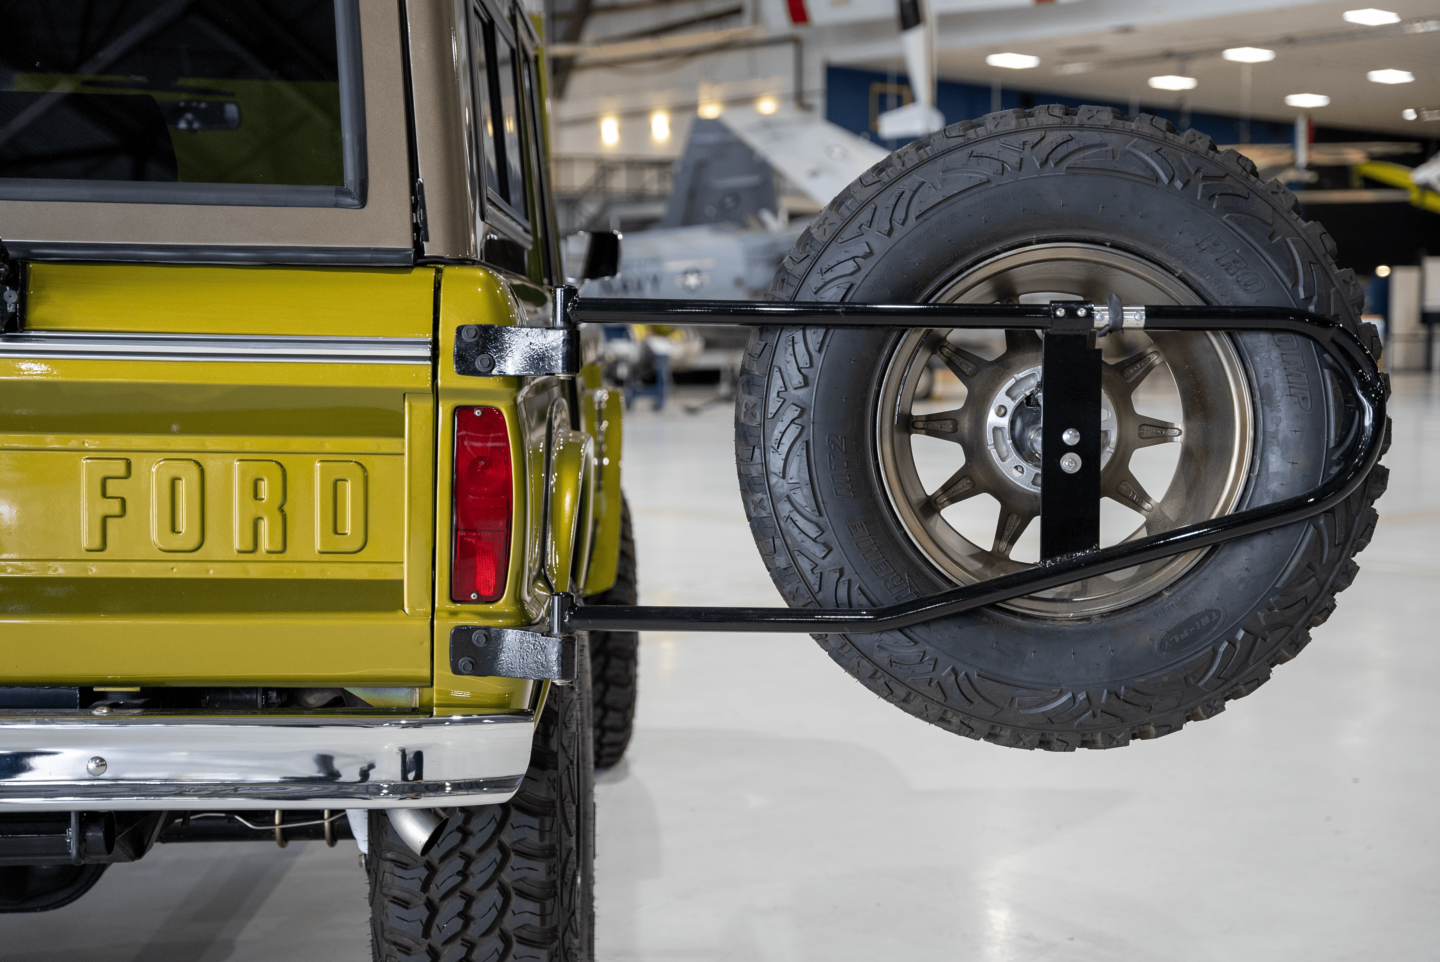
535, 146
209, 91
505, 67
482, 40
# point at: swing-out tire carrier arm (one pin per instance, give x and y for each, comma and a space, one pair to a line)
1369, 386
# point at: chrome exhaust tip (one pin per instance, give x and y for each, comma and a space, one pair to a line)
418, 828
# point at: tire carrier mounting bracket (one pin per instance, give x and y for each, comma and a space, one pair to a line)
1070, 435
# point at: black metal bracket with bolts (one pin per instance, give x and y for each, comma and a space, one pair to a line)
540, 654
493, 350
1069, 503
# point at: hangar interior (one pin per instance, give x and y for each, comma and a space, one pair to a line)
769, 806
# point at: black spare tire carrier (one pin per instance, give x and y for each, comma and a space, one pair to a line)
1070, 552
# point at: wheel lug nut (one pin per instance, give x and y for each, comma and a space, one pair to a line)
1001, 410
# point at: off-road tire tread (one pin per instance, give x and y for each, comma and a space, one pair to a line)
1303, 599
615, 659
504, 882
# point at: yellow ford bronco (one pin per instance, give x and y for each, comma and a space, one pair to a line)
310, 511
278, 522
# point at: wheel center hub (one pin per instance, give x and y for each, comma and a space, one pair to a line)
1013, 428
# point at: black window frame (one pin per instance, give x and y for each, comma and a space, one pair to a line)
545, 255
352, 134
490, 26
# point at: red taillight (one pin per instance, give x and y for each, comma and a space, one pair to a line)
483, 494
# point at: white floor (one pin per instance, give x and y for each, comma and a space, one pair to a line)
772, 809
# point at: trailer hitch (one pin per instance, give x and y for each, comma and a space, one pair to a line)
1069, 513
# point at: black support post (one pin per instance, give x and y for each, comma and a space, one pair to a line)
1070, 443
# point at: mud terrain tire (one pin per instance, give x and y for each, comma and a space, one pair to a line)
806, 442
511, 881
615, 659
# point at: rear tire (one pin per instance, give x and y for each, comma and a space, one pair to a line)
615, 659
511, 881
813, 414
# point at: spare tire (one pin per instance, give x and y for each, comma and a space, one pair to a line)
859, 494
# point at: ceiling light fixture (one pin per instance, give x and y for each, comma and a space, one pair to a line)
711, 110
766, 105
1307, 100
1248, 54
1173, 82
660, 126
1370, 17
1390, 77
1382, 270
1409, 113
1013, 61
610, 131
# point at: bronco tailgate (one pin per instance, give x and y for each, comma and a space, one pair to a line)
218, 475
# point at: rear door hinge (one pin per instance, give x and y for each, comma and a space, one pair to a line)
493, 350
511, 653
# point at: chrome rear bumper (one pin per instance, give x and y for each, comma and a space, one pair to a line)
259, 762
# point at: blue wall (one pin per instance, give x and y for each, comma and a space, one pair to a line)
847, 103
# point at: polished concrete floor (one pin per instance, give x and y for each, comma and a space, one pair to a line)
772, 809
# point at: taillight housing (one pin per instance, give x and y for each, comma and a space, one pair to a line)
483, 493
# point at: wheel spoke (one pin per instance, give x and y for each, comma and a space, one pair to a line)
962, 363
1013, 521
944, 425
1020, 341
960, 486
1150, 431
1125, 489
1134, 369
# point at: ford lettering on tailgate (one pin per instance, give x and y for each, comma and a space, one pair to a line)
166, 507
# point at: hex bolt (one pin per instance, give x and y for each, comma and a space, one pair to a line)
469, 332
466, 665
101, 710
1071, 437
1070, 462
484, 363
96, 766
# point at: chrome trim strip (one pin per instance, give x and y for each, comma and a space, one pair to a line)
32, 250
93, 346
188, 763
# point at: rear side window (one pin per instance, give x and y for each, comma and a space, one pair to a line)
169, 101
496, 62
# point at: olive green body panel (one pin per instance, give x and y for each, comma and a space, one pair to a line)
193, 522
165, 299
182, 522
602, 411
472, 295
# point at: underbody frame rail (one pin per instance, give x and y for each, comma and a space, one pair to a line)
1370, 389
